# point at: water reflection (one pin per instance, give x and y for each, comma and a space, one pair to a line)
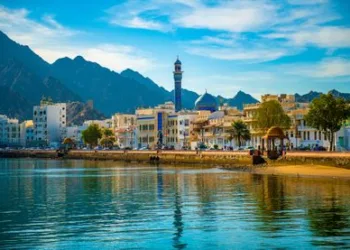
86, 204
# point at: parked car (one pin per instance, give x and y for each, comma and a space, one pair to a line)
303, 148
320, 148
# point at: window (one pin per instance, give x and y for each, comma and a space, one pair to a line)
140, 128
304, 135
187, 122
315, 135
291, 134
308, 135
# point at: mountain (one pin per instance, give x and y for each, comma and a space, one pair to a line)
312, 95
78, 112
27, 77
20, 53
24, 77
110, 91
147, 82
238, 100
14, 105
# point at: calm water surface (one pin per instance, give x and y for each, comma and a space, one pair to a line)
79, 204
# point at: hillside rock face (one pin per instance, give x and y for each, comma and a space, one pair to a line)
78, 112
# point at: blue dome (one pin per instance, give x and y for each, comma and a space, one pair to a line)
206, 102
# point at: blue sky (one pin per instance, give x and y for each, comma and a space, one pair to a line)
257, 46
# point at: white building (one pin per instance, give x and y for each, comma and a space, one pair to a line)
49, 123
75, 133
125, 131
26, 133
9, 131
343, 138
184, 119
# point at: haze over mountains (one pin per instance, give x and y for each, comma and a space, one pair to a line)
25, 77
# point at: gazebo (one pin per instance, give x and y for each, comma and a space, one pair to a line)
272, 134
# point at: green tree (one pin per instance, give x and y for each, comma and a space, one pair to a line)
328, 113
92, 134
107, 141
239, 132
270, 114
107, 132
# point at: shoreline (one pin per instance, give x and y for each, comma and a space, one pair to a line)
310, 164
321, 171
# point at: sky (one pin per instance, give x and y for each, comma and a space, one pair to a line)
257, 46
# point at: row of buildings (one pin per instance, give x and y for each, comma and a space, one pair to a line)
168, 124
207, 123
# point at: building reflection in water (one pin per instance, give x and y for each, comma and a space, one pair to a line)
178, 224
111, 202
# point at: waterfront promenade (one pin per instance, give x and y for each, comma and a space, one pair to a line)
224, 158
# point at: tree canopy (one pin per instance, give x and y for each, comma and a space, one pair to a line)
92, 134
328, 113
107, 132
270, 114
239, 132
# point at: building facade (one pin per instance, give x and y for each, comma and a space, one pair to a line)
49, 120
125, 130
184, 121
27, 133
299, 135
75, 133
9, 132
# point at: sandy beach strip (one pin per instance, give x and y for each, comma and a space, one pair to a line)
305, 170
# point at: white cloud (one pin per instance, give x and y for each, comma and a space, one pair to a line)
236, 47
325, 37
17, 24
307, 2
51, 41
254, 55
278, 28
234, 16
327, 68
137, 14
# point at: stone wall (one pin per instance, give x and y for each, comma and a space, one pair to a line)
222, 158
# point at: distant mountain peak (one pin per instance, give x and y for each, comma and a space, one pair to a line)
313, 94
79, 59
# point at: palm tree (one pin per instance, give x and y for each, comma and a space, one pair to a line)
239, 132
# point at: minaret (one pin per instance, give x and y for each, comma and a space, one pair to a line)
177, 89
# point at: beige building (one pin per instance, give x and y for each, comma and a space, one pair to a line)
214, 128
300, 135
157, 126
125, 130
27, 133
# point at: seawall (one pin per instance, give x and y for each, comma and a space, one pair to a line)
223, 158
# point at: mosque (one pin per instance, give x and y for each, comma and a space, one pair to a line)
204, 102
